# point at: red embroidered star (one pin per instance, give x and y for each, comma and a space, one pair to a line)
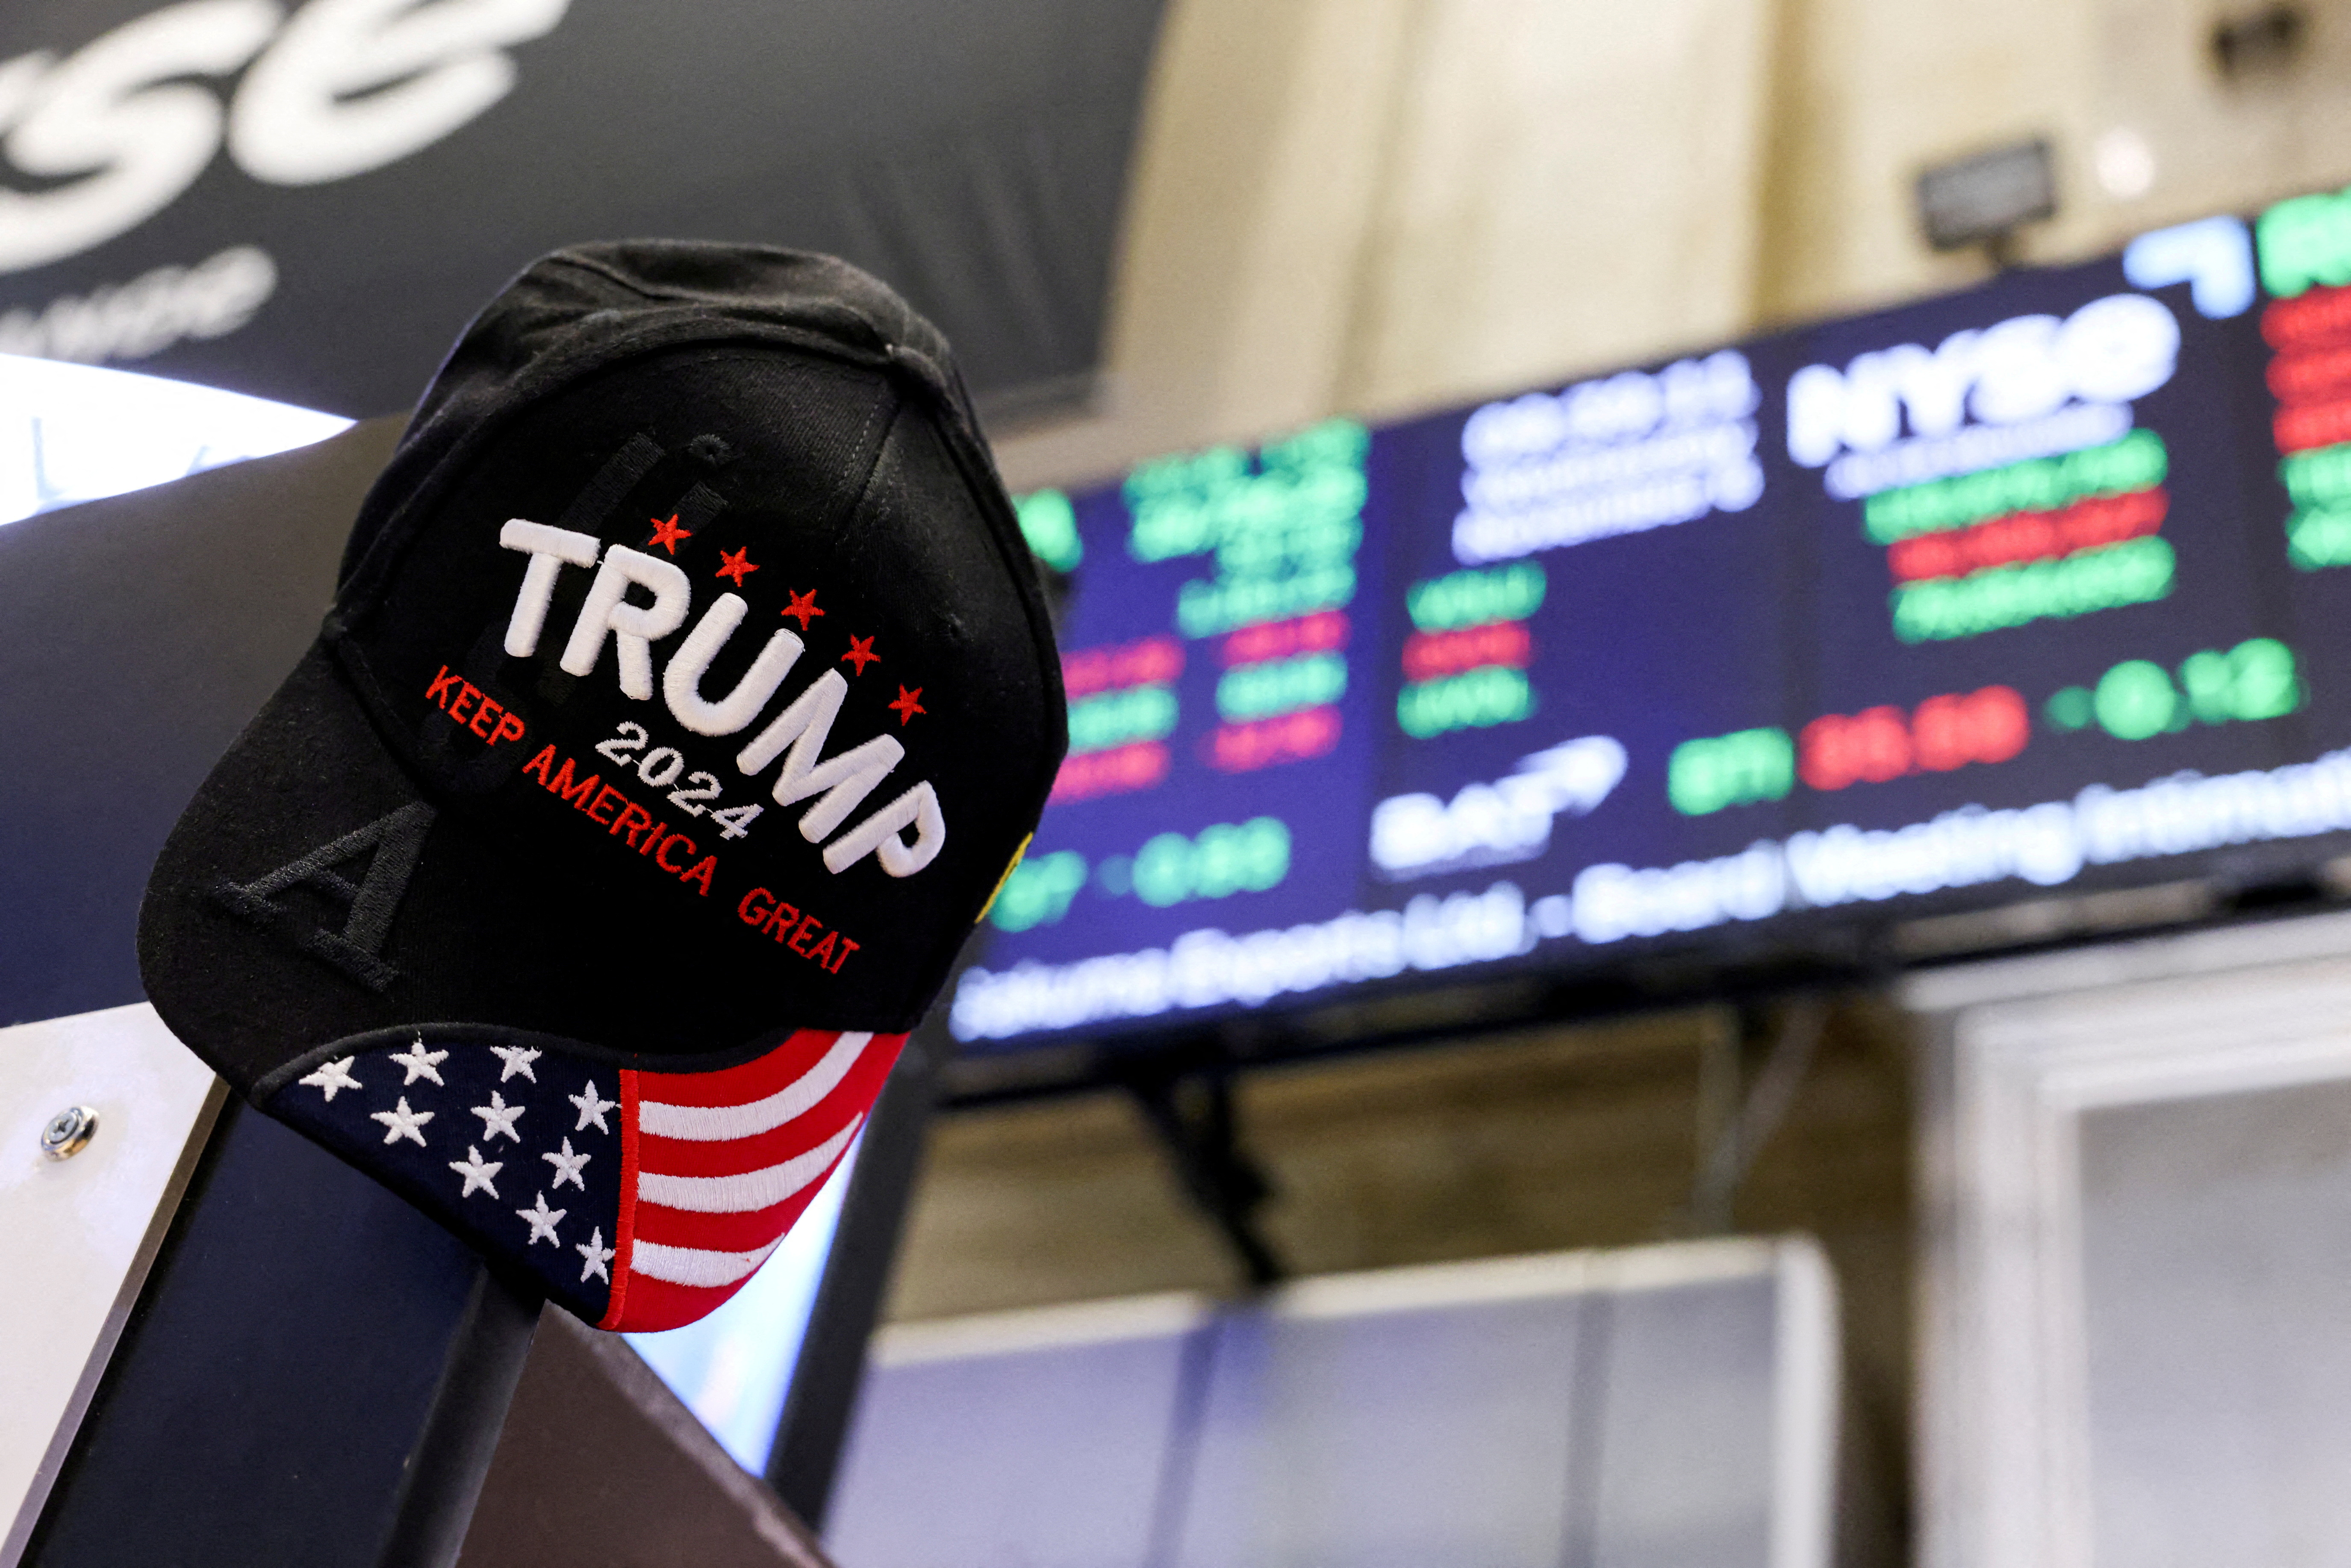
861, 653
738, 564
907, 707
803, 606
667, 533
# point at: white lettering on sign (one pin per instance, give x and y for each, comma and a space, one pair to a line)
2046, 845
346, 86
1617, 455
161, 306
2015, 372
113, 121
1499, 823
352, 85
1210, 967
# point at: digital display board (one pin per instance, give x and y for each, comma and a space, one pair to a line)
2028, 587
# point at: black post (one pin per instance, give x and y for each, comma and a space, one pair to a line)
314, 1373
1189, 1105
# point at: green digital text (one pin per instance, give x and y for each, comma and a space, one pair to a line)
2138, 698
2037, 485
1038, 890
1118, 719
2138, 571
1481, 697
1215, 863
1474, 598
1279, 686
1706, 776
1050, 524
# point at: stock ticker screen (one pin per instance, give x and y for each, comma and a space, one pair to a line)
2035, 585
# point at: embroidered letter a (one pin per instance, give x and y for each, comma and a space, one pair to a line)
357, 949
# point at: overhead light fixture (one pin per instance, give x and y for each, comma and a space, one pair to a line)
2125, 164
1984, 199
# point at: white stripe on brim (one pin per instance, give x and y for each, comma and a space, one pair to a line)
751, 1190
717, 1124
693, 1266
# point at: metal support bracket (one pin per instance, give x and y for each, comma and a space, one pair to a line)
1191, 1113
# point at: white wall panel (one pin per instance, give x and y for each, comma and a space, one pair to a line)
78, 1233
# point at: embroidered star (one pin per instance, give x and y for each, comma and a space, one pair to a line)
332, 1076
516, 1060
477, 1171
737, 564
421, 1064
566, 1166
402, 1123
907, 706
592, 1109
802, 606
541, 1220
597, 1254
861, 653
498, 1116
667, 533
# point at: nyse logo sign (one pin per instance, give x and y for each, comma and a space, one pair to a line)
2034, 384
110, 135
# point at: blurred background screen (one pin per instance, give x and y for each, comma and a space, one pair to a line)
1916, 612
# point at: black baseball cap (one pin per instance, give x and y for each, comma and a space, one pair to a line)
687, 692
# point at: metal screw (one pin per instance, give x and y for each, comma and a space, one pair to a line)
69, 1132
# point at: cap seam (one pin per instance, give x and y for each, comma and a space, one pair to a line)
351, 658
897, 406
591, 264
1021, 569
364, 587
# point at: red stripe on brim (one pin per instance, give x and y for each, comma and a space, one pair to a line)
641, 1304
656, 1304
727, 1232
850, 1098
756, 1080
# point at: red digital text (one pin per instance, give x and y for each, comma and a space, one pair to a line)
2087, 524
1260, 743
1325, 632
1945, 732
1150, 661
1138, 765
1433, 655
